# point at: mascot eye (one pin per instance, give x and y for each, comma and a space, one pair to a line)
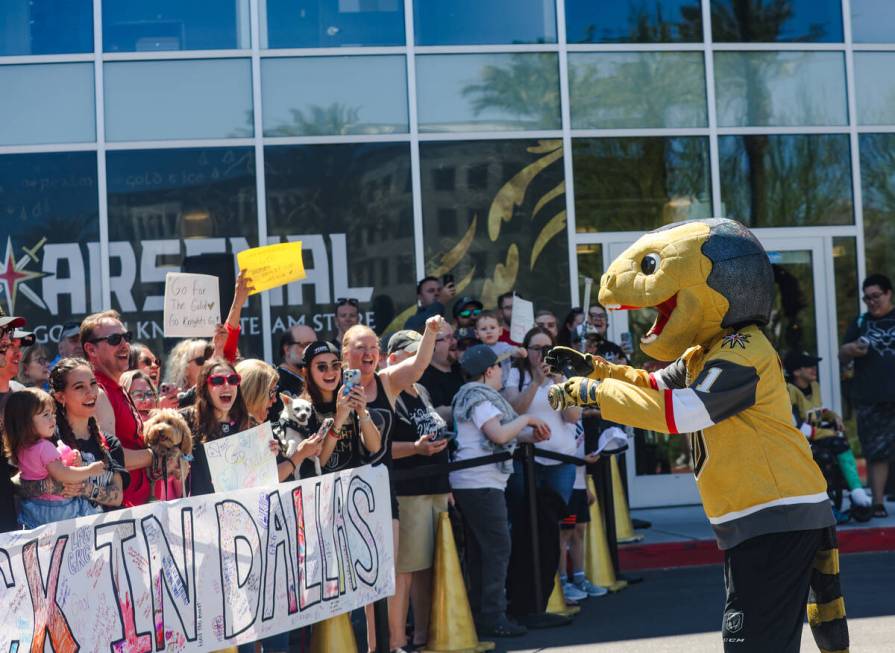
650, 263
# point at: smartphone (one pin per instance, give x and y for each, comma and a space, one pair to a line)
165, 388
444, 435
350, 378
447, 279
326, 426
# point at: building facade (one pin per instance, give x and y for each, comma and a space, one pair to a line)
515, 144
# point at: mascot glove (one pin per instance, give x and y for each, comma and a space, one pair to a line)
859, 497
577, 391
569, 362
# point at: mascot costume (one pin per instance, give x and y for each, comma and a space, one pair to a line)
712, 284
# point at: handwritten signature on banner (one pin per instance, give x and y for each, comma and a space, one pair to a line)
272, 265
243, 460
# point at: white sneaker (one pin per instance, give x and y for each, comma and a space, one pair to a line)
572, 593
590, 589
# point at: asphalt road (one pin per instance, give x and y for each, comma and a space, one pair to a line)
679, 610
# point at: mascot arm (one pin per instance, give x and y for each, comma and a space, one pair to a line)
722, 390
673, 376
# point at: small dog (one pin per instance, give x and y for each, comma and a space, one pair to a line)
294, 425
168, 434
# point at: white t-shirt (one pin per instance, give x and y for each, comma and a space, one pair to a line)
580, 470
562, 433
470, 444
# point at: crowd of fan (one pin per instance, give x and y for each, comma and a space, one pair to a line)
451, 386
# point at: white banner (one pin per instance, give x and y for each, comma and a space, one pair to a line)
203, 573
192, 305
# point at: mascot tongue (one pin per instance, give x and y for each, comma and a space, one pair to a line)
665, 309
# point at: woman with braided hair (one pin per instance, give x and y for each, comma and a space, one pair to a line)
75, 390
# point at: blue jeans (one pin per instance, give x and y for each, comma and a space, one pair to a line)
273, 644
559, 478
37, 512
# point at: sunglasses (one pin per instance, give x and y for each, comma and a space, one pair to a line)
341, 301
220, 379
143, 395
115, 339
152, 362
872, 298
22, 342
597, 316
200, 360
470, 312
335, 366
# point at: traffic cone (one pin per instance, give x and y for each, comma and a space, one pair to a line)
597, 562
451, 628
557, 603
624, 529
333, 634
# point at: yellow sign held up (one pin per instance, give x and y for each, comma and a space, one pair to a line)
272, 265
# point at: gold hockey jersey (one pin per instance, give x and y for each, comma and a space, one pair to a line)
753, 468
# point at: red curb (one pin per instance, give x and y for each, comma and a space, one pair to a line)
691, 553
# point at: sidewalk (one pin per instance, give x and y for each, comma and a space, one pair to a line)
682, 537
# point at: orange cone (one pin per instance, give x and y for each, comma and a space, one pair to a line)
597, 562
557, 603
624, 528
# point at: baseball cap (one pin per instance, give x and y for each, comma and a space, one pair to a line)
464, 302
315, 349
797, 359
7, 321
479, 358
27, 337
70, 329
404, 340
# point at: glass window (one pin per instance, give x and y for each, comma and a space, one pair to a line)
510, 234
872, 21
473, 22
332, 23
773, 21
175, 25
845, 271
617, 90
155, 100
878, 192
351, 207
179, 210
786, 180
756, 89
49, 235
47, 103
316, 96
633, 21
632, 184
487, 92
875, 87
46, 27
590, 264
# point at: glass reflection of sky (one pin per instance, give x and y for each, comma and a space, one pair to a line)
813, 21
473, 22
875, 87
873, 21
633, 21
332, 23
46, 26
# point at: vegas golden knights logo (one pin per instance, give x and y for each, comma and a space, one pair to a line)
699, 451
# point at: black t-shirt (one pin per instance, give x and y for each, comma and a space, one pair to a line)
7, 503
199, 480
92, 451
442, 386
349, 452
874, 380
416, 419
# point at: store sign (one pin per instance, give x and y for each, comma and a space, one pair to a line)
200, 574
43, 281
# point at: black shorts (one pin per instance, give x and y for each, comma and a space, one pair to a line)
578, 510
876, 431
766, 579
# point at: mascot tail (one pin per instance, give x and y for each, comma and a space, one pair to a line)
826, 607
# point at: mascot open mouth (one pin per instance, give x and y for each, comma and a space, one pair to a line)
665, 309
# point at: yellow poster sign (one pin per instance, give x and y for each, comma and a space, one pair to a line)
273, 265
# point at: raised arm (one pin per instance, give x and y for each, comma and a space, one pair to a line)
401, 377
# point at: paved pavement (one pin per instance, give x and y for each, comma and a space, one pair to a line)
679, 610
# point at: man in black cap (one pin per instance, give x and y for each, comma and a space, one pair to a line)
431, 298
466, 311
7, 505
69, 345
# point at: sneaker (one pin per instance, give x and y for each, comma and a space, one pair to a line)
502, 627
572, 593
590, 589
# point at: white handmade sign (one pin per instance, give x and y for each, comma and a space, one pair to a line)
242, 460
203, 573
192, 305
522, 319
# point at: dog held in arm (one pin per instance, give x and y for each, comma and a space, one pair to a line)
294, 425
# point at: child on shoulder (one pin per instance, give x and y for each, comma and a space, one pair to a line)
30, 427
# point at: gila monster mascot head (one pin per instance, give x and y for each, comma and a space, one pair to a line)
703, 276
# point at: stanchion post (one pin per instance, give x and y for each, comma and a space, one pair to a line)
380, 619
531, 497
604, 483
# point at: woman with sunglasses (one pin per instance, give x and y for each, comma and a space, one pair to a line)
526, 390
182, 370
34, 369
259, 391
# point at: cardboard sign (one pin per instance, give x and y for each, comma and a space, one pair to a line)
242, 460
522, 319
203, 573
273, 265
192, 305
